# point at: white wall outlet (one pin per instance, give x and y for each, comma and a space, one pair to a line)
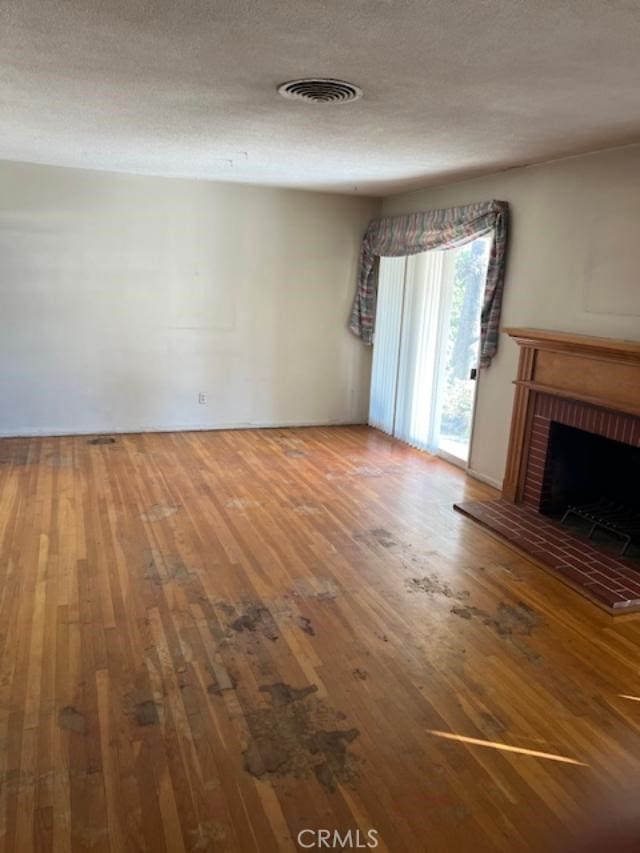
203, 398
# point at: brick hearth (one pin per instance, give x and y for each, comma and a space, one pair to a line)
609, 581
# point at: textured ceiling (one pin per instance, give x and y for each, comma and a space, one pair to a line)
187, 87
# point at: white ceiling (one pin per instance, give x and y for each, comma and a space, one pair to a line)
187, 87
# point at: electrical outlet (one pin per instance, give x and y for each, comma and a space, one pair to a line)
202, 398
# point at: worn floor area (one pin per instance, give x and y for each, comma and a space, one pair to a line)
213, 641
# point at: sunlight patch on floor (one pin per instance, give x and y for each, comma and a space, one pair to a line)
551, 756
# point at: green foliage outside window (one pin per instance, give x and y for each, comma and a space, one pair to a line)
463, 341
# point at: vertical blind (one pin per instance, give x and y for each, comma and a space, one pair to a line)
386, 352
407, 355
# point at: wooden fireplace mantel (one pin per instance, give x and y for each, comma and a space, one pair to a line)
602, 372
611, 348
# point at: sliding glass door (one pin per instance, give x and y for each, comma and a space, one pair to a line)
426, 347
386, 348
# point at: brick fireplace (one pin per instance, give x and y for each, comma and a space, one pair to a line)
549, 411
575, 440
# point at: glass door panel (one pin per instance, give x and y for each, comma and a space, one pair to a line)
465, 279
426, 347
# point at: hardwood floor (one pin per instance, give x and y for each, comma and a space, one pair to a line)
213, 641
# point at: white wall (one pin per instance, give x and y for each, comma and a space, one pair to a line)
122, 297
573, 266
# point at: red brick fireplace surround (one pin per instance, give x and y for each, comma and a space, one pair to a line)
597, 421
593, 385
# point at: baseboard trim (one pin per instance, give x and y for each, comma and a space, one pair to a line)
54, 432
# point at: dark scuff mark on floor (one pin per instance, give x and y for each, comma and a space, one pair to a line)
295, 737
333, 747
164, 568
433, 585
509, 622
492, 726
531, 656
320, 588
467, 611
146, 713
102, 439
284, 694
256, 618
381, 536
72, 720
377, 535
144, 710
360, 674
508, 619
305, 624
515, 619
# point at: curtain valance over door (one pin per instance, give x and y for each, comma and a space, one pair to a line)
435, 229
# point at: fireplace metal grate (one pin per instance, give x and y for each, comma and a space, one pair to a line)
612, 517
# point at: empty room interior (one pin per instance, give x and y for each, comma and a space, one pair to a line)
320, 426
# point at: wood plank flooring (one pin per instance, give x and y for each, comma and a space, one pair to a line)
214, 641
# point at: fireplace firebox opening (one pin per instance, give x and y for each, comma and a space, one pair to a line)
593, 483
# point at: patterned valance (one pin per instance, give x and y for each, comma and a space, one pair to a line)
435, 229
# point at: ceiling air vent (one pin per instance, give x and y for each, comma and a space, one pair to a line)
320, 90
